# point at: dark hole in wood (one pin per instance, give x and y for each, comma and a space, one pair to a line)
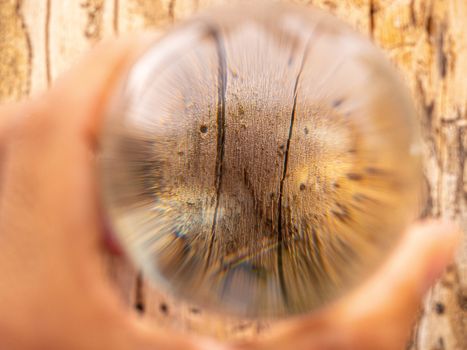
164, 308
374, 171
439, 308
354, 176
440, 344
139, 307
337, 103
462, 301
195, 310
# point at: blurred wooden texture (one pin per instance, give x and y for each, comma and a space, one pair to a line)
425, 39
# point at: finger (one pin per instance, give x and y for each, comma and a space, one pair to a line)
383, 311
78, 98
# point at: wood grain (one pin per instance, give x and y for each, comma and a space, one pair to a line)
426, 40
15, 52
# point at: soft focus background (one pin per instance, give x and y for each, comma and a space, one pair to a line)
425, 39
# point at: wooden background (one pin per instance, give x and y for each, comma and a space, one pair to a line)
426, 40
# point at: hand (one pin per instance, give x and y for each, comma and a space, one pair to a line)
381, 313
54, 293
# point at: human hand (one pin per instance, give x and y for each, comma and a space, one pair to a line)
381, 313
54, 293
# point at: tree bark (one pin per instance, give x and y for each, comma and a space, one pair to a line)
426, 40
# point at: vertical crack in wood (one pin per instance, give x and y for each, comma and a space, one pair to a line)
115, 15
139, 294
428, 109
20, 16
171, 10
372, 11
460, 177
426, 209
429, 21
413, 17
280, 236
222, 85
47, 42
441, 54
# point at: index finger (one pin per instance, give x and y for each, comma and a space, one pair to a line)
49, 192
78, 98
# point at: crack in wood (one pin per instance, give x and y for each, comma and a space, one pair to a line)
429, 21
427, 208
171, 10
222, 85
47, 42
115, 17
280, 236
427, 121
372, 11
441, 54
413, 17
19, 13
440, 344
139, 305
460, 178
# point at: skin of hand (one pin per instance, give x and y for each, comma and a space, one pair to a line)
54, 291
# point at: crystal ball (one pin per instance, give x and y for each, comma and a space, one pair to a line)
260, 160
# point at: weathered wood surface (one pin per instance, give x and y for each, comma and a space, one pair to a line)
426, 40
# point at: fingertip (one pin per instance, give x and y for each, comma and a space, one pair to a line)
438, 228
396, 291
440, 239
83, 92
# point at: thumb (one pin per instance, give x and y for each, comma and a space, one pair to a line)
383, 311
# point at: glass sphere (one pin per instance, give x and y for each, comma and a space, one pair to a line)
260, 160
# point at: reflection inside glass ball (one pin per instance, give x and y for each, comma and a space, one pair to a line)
260, 161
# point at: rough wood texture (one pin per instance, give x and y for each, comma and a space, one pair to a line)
426, 40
